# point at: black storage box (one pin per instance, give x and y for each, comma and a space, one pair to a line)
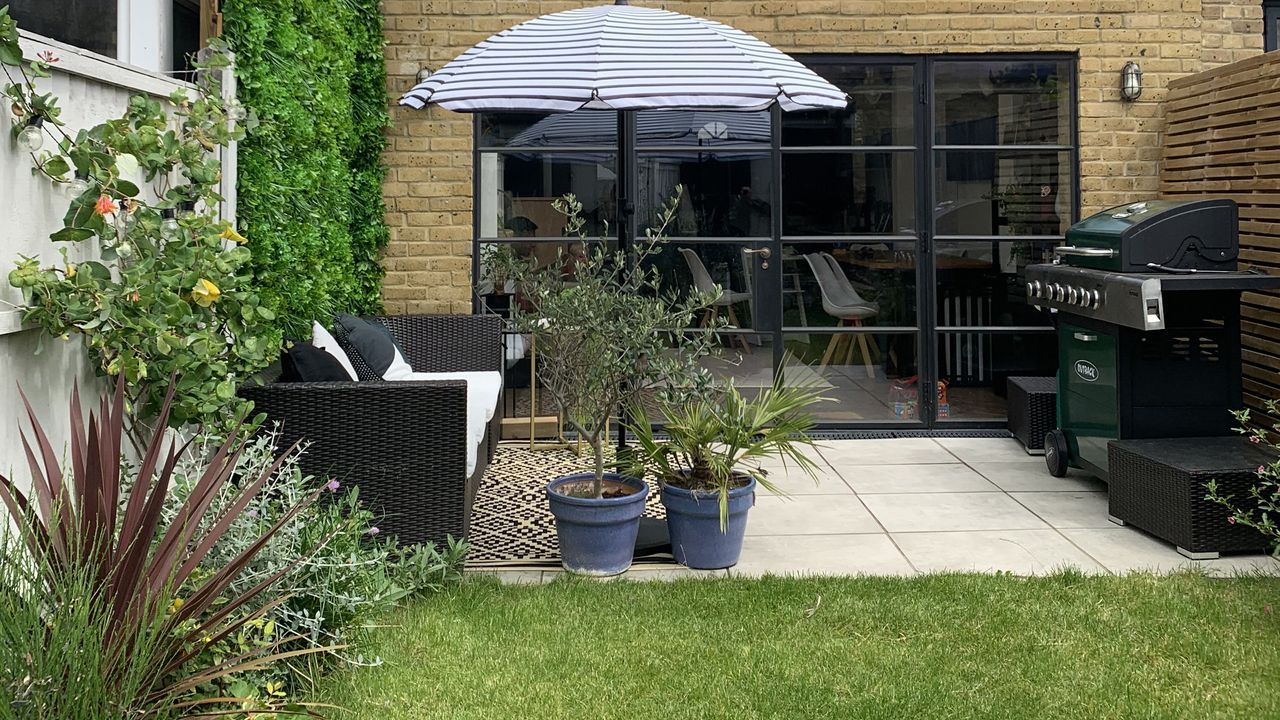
1032, 410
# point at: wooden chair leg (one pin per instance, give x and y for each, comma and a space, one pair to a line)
831, 348
866, 356
733, 318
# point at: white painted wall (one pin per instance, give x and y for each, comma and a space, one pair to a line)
91, 89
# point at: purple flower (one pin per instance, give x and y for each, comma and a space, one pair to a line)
1261, 469
1231, 520
1255, 439
372, 531
332, 486
251, 513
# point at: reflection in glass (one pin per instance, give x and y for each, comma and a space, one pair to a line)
496, 284
720, 269
1002, 102
973, 370
881, 109
867, 377
518, 191
991, 192
871, 193
702, 128
880, 278
982, 283
587, 128
725, 194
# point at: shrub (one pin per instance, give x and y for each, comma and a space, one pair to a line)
349, 574
94, 537
1259, 511
170, 294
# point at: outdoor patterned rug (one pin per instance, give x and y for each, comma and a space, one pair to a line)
511, 524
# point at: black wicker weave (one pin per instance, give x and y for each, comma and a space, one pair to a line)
1033, 409
402, 443
1159, 486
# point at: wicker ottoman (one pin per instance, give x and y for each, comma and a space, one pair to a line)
1033, 410
1158, 486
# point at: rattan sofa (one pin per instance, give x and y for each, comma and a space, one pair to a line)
402, 443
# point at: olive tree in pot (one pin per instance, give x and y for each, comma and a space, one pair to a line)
606, 333
709, 465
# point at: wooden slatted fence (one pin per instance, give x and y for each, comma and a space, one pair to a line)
1222, 139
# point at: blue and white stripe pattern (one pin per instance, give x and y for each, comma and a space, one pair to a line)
620, 57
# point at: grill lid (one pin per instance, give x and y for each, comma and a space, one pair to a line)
1157, 234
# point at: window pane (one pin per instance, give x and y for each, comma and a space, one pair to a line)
688, 267
499, 259
975, 367
999, 102
991, 192
867, 377
588, 128
982, 283
517, 192
881, 109
876, 282
725, 194
702, 128
869, 193
88, 24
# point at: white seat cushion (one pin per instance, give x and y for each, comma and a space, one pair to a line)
482, 401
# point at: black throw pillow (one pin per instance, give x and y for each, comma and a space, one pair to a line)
305, 362
369, 345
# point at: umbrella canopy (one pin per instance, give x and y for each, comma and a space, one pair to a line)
620, 57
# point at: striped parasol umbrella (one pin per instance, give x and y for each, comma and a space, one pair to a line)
623, 58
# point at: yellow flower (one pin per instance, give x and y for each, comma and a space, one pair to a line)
205, 293
175, 605
229, 233
71, 270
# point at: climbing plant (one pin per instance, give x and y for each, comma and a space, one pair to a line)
310, 176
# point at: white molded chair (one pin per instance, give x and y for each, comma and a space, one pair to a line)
724, 297
846, 310
844, 285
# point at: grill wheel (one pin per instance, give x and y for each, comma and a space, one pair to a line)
1056, 453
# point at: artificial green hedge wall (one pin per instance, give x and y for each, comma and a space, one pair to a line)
310, 176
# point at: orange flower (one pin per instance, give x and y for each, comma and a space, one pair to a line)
105, 205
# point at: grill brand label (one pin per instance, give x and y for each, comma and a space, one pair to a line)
1086, 371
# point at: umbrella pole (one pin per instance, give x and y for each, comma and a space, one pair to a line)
625, 209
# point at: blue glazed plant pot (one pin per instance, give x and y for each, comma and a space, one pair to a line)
694, 522
597, 536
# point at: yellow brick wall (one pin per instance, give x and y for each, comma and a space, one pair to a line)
428, 187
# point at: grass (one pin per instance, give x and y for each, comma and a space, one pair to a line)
941, 646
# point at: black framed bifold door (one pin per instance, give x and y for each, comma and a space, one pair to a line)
876, 252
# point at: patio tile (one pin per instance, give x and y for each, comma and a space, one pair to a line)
1021, 476
667, 573
973, 450
792, 481
1068, 509
821, 555
810, 515
922, 478
940, 512
1024, 552
1124, 550
897, 451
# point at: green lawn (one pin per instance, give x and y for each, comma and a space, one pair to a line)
943, 646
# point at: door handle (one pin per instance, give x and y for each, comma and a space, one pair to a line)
1085, 337
765, 253
1083, 252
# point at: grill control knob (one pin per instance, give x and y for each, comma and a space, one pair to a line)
1073, 296
1058, 292
1095, 299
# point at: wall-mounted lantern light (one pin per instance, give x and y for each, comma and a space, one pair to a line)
423, 74
1131, 81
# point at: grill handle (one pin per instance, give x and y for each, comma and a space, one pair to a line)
1084, 252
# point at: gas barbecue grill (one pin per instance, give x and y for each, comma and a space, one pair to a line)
1147, 298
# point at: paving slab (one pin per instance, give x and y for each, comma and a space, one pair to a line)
810, 515
940, 512
1023, 476
1023, 552
1125, 550
793, 481
898, 451
820, 555
924, 478
971, 450
1068, 509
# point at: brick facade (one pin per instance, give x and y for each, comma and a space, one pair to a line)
428, 187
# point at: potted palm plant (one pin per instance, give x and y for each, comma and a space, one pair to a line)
709, 465
606, 333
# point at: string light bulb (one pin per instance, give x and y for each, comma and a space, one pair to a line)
78, 185
31, 138
168, 225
